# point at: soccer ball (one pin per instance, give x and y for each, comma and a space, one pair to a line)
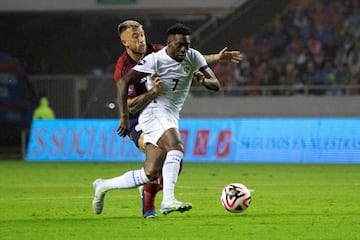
235, 197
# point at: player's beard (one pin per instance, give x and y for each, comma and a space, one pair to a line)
142, 49
140, 53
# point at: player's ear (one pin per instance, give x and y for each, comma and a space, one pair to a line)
123, 42
169, 39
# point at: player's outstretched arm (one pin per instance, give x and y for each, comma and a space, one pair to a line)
225, 56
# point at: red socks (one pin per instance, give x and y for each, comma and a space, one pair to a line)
150, 191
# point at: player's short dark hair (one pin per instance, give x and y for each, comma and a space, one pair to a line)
178, 28
127, 24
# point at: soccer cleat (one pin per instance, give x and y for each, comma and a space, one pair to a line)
174, 205
151, 213
98, 201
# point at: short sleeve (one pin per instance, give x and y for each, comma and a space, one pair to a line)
146, 65
198, 59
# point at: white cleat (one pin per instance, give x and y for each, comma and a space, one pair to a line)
174, 205
98, 201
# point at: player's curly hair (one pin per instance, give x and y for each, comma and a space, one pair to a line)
178, 28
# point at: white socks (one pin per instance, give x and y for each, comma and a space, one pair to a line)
129, 179
134, 178
170, 173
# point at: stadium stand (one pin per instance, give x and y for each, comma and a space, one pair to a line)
293, 48
311, 42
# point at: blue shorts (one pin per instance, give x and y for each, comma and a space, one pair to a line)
134, 134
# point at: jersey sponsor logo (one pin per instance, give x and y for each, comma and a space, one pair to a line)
201, 142
223, 143
184, 138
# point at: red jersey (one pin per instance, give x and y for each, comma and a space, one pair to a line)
125, 63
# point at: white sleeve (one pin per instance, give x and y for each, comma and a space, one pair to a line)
146, 65
198, 59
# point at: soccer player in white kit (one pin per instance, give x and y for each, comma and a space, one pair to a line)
175, 65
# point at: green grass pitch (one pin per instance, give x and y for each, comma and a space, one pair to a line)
290, 201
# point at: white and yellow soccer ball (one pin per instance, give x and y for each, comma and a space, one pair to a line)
235, 197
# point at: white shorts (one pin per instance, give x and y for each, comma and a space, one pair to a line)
154, 122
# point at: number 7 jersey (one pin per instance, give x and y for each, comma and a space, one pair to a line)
176, 77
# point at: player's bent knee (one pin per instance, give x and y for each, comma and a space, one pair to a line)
178, 147
152, 174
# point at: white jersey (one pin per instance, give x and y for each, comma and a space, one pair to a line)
176, 77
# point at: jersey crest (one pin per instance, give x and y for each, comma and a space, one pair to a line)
187, 69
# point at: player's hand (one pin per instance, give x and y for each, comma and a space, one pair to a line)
226, 56
124, 127
199, 77
156, 84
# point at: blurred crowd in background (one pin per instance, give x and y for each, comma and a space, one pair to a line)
312, 42
310, 47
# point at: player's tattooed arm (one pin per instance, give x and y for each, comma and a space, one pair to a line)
138, 103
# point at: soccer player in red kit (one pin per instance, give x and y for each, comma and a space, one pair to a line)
133, 38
